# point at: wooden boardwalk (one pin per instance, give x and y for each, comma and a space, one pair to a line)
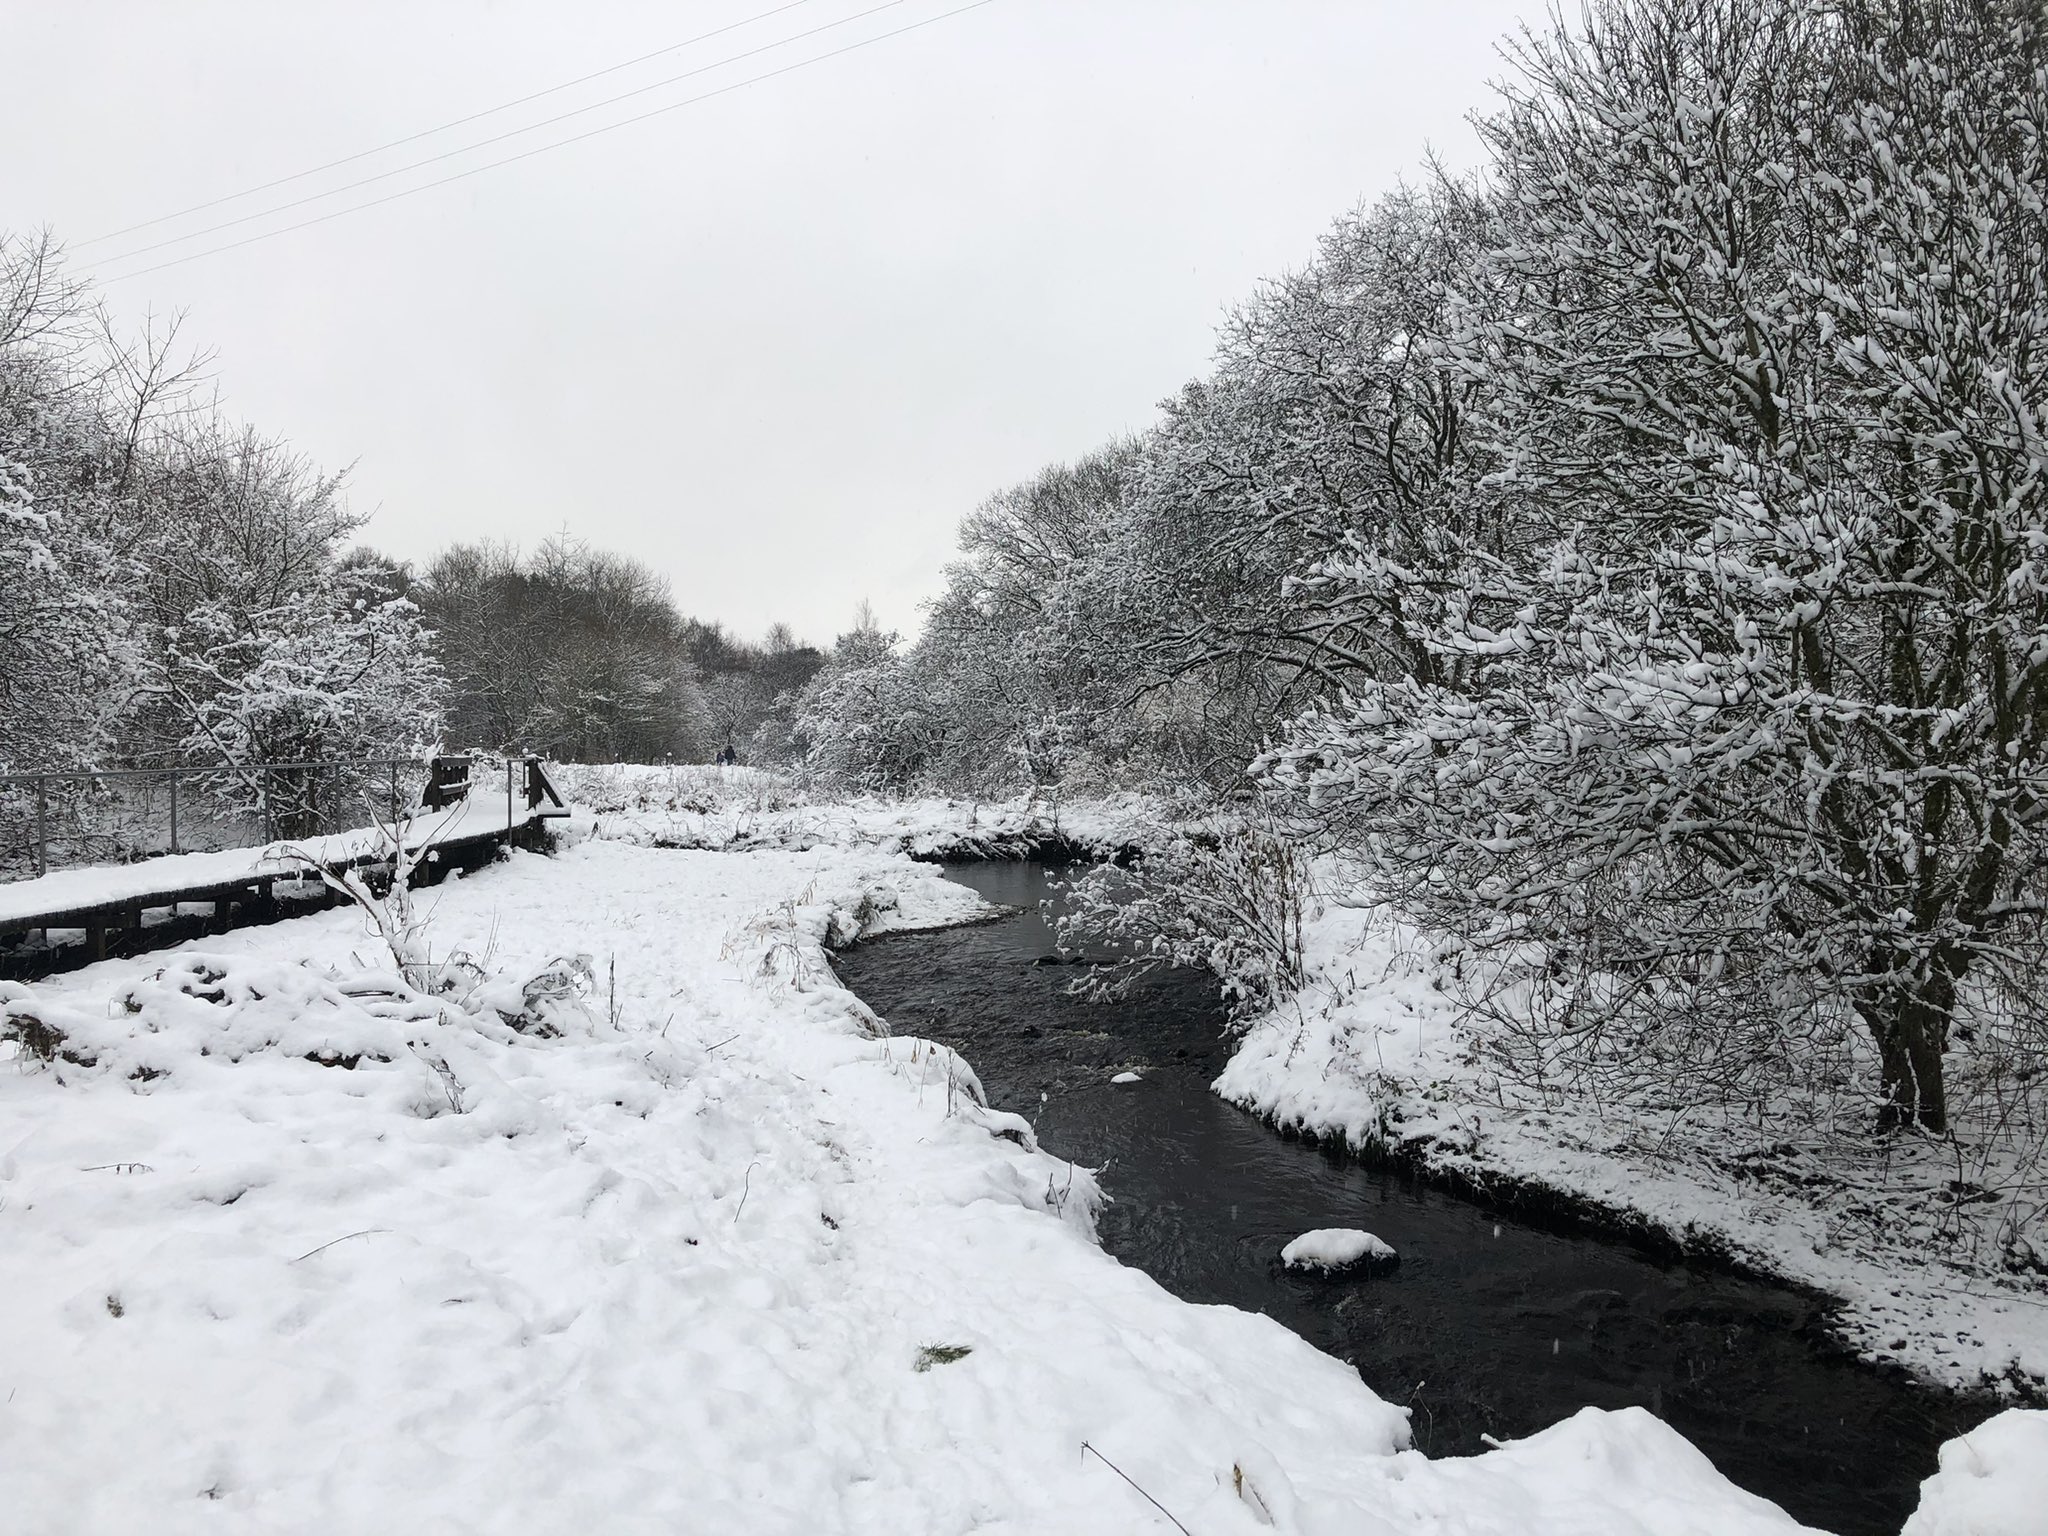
72, 917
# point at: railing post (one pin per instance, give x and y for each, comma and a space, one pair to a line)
174, 810
508, 794
42, 824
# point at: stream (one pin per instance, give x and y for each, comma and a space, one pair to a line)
1491, 1325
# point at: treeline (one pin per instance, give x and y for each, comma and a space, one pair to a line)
1631, 558
176, 587
172, 584
579, 654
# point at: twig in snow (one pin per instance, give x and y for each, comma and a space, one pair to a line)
728, 1040
746, 1184
366, 1232
1120, 1472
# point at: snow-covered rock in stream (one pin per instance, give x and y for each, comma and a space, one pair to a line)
1992, 1481
1328, 1250
1125, 1078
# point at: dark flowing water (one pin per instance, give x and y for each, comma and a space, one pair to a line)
1490, 1325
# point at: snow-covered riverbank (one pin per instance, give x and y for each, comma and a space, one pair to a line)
293, 1253
1375, 1053
736, 809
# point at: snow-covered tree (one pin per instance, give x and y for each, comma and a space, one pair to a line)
63, 633
342, 672
64, 626
1732, 728
1329, 415
171, 584
863, 722
571, 650
1025, 676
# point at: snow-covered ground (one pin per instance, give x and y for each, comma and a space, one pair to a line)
1375, 1051
286, 1247
693, 806
1992, 1480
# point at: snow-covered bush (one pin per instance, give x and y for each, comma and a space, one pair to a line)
382, 892
693, 788
339, 672
224, 1008
1230, 897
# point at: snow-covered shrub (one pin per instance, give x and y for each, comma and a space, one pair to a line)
220, 1009
337, 672
694, 788
1230, 897
382, 892
555, 1000
223, 1008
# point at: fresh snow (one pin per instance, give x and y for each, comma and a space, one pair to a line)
298, 1251
1335, 1248
1991, 1482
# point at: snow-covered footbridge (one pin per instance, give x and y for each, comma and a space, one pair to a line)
60, 917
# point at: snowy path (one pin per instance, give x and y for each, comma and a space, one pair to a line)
703, 1270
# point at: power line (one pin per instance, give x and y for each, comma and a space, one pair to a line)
542, 149
499, 138
428, 133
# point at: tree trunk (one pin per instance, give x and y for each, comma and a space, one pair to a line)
1909, 1020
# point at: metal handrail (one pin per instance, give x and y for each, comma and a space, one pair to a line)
187, 770
173, 772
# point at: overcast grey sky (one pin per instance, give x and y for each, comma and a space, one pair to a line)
775, 343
